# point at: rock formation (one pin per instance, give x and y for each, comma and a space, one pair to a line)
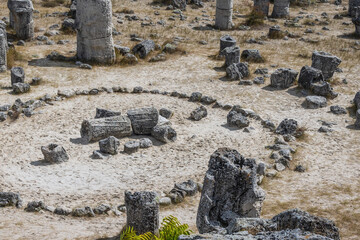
21, 18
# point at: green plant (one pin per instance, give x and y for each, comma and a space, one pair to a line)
170, 229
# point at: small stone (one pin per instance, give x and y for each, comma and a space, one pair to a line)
145, 143
54, 153
338, 110
62, 211
166, 113
102, 209
199, 113
280, 167
299, 168
99, 155
35, 206
164, 133
131, 147
83, 212
324, 129
109, 145
314, 102
195, 97
165, 201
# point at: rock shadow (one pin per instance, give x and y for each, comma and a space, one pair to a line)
44, 62
41, 162
79, 141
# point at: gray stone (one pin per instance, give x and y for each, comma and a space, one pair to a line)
283, 78
189, 187
97, 129
237, 71
281, 9
353, 4
357, 123
129, 59
181, 4
21, 18
94, 31
230, 190
199, 113
323, 89
35, 206
142, 211
207, 100
236, 117
104, 113
357, 100
226, 41
356, 19
19, 88
325, 62
83, 212
324, 129
17, 75
102, 209
165, 201
97, 154
121, 50
54, 153
131, 147
195, 97
232, 55
10, 199
287, 127
145, 143
252, 55
62, 211
109, 145
308, 76
166, 113
3, 116
262, 6
68, 25
299, 168
143, 119
314, 102
3, 50
279, 167
66, 93
164, 133
259, 80
246, 82
144, 48
223, 15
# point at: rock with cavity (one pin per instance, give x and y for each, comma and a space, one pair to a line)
54, 153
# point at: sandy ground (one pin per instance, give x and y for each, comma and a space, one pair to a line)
329, 188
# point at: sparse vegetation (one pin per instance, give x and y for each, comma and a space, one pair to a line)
52, 3
255, 18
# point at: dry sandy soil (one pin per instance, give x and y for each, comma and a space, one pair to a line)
329, 188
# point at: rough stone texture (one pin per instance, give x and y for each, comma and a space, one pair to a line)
357, 100
17, 75
20, 88
309, 75
237, 71
323, 89
143, 119
164, 133
145, 143
62, 211
281, 9
166, 113
338, 110
227, 41
356, 19
223, 16
325, 62
21, 18
83, 212
314, 102
35, 206
230, 190
10, 199
232, 55
142, 211
251, 55
275, 32
54, 153
97, 129
94, 31
72, 12
287, 127
3, 116
3, 50
109, 145
144, 48
283, 78
352, 5
131, 147
236, 119
262, 6
189, 187
357, 123
181, 4
195, 97
104, 113
199, 113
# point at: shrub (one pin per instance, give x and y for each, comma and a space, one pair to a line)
255, 18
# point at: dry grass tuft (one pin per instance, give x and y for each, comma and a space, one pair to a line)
53, 3
255, 18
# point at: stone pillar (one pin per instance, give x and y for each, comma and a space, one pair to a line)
227, 41
262, 6
3, 49
281, 9
356, 20
352, 5
223, 17
94, 31
142, 211
21, 18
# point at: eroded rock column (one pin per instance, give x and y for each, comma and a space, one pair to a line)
21, 18
262, 6
3, 49
281, 9
223, 17
94, 31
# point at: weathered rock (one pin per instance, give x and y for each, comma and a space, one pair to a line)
54, 153
165, 201
143, 119
19, 88
230, 190
144, 48
166, 113
357, 100
109, 145
83, 212
181, 4
97, 129
21, 18
259, 80
3, 50
352, 7
237, 71
323, 89
283, 78
145, 143
199, 113
207, 100
357, 123
223, 16
3, 116
142, 211
226, 41
164, 133
314, 102
104, 113
72, 12
131, 147
281, 9
35, 206
232, 55
68, 25
17, 75
325, 62
195, 97
237, 118
189, 187
309, 75
62, 211
275, 32
10, 199
252, 55
262, 6
94, 31
287, 127
102, 209
97, 154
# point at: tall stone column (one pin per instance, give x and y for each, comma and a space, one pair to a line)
94, 31
262, 6
352, 5
21, 18
281, 9
3, 49
223, 17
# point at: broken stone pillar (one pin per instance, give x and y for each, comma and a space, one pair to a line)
356, 20
3, 49
21, 18
281, 9
142, 211
325, 62
94, 31
223, 17
352, 5
230, 191
262, 6
227, 41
